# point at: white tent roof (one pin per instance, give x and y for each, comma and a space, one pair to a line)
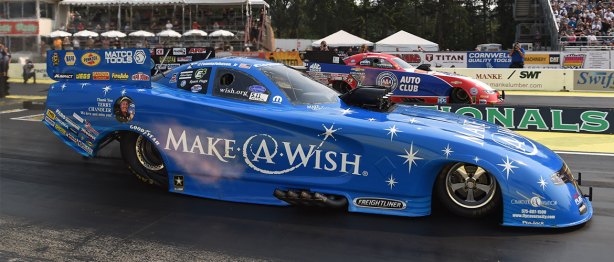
405, 42
342, 38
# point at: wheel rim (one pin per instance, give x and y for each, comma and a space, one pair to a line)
148, 154
461, 96
470, 186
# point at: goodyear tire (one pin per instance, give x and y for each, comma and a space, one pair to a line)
468, 190
144, 160
341, 87
459, 96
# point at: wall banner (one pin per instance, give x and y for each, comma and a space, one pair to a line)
488, 60
446, 59
585, 60
546, 119
19, 28
593, 80
542, 60
286, 58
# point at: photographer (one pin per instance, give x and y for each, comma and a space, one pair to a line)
517, 55
28, 72
323, 46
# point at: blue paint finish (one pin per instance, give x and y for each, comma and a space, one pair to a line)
242, 151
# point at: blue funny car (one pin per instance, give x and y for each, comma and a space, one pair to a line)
250, 130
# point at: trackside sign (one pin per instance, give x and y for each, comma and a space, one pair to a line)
579, 120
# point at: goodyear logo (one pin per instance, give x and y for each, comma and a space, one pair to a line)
83, 76
59, 128
122, 76
101, 75
50, 114
70, 58
90, 59
55, 59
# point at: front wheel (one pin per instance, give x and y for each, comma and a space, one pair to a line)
459, 96
143, 159
468, 190
341, 87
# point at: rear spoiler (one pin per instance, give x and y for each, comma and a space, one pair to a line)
117, 66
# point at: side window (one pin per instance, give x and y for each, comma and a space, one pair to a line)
237, 85
383, 63
193, 80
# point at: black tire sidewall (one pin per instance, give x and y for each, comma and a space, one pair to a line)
128, 151
454, 99
442, 193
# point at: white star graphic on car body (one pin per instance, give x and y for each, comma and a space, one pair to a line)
410, 156
393, 131
346, 111
123, 92
371, 119
63, 86
447, 151
52, 86
542, 182
106, 89
507, 166
141, 90
412, 120
391, 182
328, 132
179, 181
84, 84
476, 159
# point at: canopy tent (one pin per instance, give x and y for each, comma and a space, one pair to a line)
221, 33
142, 33
195, 32
113, 34
85, 33
169, 33
59, 33
342, 38
405, 42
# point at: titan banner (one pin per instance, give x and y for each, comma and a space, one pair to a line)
286, 58
177, 56
546, 119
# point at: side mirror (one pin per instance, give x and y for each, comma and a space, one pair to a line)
425, 67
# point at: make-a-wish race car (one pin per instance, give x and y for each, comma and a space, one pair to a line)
408, 84
255, 131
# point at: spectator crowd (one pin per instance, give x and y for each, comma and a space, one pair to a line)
585, 23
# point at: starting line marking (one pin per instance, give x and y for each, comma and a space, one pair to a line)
12, 111
32, 118
583, 153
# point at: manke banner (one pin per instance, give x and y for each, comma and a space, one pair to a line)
19, 28
580, 120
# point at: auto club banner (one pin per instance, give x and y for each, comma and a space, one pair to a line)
546, 119
177, 56
19, 28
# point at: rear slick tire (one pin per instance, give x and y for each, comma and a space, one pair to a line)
468, 190
144, 160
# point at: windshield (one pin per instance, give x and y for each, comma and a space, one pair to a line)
402, 63
298, 87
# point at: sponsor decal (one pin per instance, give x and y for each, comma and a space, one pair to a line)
70, 122
70, 58
365, 62
120, 76
83, 76
140, 76
316, 107
59, 113
63, 76
198, 50
89, 126
172, 66
196, 88
77, 117
103, 108
73, 130
358, 69
593, 80
140, 57
482, 101
184, 59
59, 128
159, 51
373, 202
168, 59
528, 74
101, 75
178, 183
50, 114
245, 66
152, 51
574, 61
88, 134
90, 144
183, 82
90, 59
86, 148
473, 91
199, 73
72, 137
489, 76
578, 199
258, 97
315, 68
49, 120
186, 74
277, 99
146, 133
456, 82
179, 51
407, 83
442, 100
533, 223
257, 89
388, 79
55, 59
173, 78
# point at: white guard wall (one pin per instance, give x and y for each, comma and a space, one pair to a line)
289, 44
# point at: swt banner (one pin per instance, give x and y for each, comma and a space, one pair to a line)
546, 119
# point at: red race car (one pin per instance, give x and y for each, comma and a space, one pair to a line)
409, 84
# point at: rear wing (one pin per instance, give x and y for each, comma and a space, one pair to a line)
117, 66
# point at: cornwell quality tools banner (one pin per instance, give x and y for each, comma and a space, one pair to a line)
546, 119
177, 56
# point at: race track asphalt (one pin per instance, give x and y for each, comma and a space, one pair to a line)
54, 206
